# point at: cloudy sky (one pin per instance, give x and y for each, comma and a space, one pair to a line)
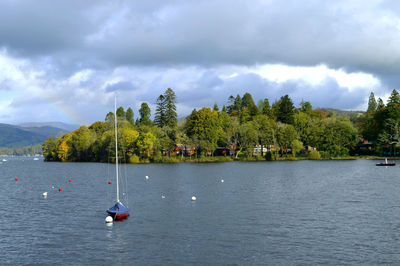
64, 60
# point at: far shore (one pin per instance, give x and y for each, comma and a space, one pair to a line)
220, 159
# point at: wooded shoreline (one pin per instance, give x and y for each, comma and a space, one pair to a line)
241, 129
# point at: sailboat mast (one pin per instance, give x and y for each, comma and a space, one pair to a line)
116, 146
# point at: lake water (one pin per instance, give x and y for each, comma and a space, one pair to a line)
274, 213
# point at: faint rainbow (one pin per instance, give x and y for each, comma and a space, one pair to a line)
64, 112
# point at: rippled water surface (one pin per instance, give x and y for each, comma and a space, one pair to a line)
302, 212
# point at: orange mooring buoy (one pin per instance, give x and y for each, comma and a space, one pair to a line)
109, 182
59, 189
70, 180
16, 179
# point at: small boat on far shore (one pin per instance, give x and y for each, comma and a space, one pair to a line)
386, 163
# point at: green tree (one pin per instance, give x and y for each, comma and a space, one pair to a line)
315, 133
49, 149
145, 113
183, 140
302, 122
248, 137
231, 102
130, 116
286, 110
380, 104
339, 136
167, 144
266, 132
265, 107
121, 113
297, 145
171, 117
204, 128
305, 107
372, 104
391, 133
128, 140
145, 143
244, 116
275, 109
81, 140
224, 138
110, 117
285, 135
159, 117
237, 104
248, 103
394, 99
215, 108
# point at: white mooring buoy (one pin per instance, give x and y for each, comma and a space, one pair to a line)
222, 181
147, 177
44, 195
162, 196
194, 198
109, 219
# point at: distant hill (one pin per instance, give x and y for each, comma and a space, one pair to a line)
64, 126
12, 136
46, 131
338, 112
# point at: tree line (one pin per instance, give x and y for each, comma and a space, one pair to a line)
381, 125
30, 150
234, 131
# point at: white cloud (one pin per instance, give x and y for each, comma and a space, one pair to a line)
84, 97
315, 75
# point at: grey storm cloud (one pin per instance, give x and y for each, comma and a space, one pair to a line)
328, 93
195, 38
120, 86
355, 35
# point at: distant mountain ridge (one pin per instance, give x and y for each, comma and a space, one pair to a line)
61, 125
12, 136
338, 112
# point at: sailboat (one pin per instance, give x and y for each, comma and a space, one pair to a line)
119, 211
386, 163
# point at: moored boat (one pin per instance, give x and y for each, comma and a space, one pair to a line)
119, 211
386, 163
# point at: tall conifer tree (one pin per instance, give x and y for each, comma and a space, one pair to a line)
372, 104
286, 110
129, 116
248, 102
159, 116
394, 99
121, 113
145, 113
171, 117
237, 104
231, 101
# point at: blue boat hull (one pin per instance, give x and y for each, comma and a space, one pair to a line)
118, 211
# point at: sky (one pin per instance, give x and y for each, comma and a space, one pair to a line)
65, 60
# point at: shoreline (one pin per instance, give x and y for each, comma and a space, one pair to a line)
222, 159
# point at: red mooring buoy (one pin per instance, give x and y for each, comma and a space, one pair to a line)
109, 182
16, 179
70, 180
59, 189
